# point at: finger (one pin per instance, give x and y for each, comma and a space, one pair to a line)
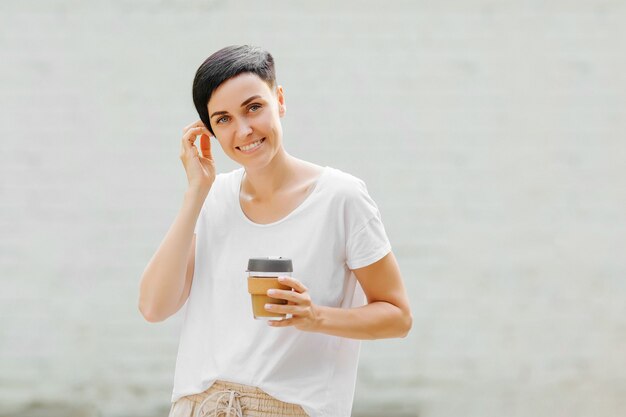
285, 295
194, 124
294, 310
194, 132
190, 137
280, 323
205, 146
293, 283
188, 144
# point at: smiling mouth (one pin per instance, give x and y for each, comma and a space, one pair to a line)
251, 149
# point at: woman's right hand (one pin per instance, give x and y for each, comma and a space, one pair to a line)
200, 167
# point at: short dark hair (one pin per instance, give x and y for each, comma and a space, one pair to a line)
225, 64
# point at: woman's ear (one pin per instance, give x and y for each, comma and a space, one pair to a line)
280, 96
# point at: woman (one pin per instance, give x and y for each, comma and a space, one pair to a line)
274, 205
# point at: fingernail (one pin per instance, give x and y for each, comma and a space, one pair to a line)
282, 278
271, 292
268, 306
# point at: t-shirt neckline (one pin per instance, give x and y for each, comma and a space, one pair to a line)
301, 206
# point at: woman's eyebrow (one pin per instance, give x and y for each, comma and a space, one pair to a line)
242, 104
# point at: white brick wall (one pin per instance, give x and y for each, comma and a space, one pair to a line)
489, 133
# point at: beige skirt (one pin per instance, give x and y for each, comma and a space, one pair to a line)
227, 399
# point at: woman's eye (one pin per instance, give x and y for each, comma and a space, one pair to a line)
220, 119
255, 106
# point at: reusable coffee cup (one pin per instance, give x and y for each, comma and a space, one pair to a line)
263, 275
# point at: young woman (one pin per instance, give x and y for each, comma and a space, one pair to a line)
273, 205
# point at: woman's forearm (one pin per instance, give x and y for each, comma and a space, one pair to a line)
163, 279
376, 320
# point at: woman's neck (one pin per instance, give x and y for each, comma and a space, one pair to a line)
263, 184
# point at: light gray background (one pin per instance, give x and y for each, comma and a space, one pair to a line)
490, 133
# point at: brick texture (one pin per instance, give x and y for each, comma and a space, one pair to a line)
491, 135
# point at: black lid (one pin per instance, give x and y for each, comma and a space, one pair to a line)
270, 264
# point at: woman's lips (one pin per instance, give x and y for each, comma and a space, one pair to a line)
253, 149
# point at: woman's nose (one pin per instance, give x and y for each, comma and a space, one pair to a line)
243, 129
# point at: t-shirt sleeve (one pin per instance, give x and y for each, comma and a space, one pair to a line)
367, 240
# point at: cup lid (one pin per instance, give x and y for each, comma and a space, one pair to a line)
270, 264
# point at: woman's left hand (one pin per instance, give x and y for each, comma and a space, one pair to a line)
304, 313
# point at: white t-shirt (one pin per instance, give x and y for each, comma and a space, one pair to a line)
335, 229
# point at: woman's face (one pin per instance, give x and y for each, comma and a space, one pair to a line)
244, 110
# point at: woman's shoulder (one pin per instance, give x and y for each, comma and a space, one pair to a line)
344, 185
342, 179
350, 192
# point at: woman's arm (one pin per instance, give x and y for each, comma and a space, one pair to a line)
167, 278
386, 315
